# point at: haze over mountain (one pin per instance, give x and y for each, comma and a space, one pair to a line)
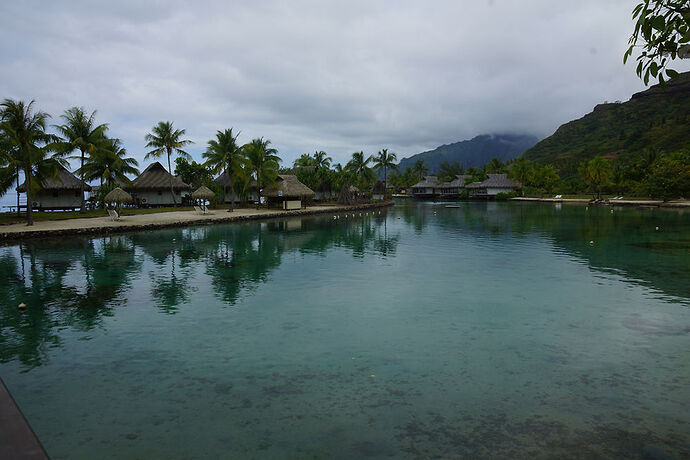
656, 118
474, 152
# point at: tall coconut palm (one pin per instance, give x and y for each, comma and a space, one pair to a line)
27, 144
359, 166
263, 163
494, 166
304, 160
9, 166
163, 138
420, 170
110, 164
596, 173
80, 132
223, 154
322, 160
383, 161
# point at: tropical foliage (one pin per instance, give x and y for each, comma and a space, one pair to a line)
662, 30
165, 139
223, 154
27, 146
81, 133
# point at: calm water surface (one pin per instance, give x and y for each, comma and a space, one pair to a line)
488, 330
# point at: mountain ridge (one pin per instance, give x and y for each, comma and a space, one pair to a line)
658, 117
473, 152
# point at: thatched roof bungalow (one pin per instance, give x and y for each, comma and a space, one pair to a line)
152, 187
288, 192
224, 181
61, 192
454, 187
492, 186
426, 188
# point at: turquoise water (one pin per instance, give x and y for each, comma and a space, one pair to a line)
489, 330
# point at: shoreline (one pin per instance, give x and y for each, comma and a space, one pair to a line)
640, 203
105, 225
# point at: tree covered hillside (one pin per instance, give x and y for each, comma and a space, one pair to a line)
657, 118
474, 152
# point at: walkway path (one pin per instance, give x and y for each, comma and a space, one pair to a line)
96, 225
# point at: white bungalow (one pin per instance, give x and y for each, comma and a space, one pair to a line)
426, 188
453, 188
492, 186
152, 187
288, 192
62, 192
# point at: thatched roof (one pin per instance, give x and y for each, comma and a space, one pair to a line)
495, 181
117, 195
203, 193
156, 177
458, 182
287, 185
429, 181
224, 180
64, 180
378, 187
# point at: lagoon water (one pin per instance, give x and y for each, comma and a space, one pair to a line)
488, 330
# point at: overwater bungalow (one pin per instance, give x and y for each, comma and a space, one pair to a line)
492, 186
152, 187
426, 188
224, 181
453, 188
288, 192
59, 193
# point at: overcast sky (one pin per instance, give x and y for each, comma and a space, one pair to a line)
334, 76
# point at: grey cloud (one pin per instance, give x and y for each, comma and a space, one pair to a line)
337, 76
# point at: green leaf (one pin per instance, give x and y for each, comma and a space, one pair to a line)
654, 69
658, 22
672, 73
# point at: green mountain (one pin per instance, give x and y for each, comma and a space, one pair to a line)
474, 152
657, 118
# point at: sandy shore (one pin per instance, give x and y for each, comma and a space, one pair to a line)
100, 225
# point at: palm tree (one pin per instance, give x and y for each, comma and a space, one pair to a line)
263, 163
385, 160
110, 164
494, 166
322, 160
420, 170
223, 154
27, 144
596, 173
522, 171
448, 171
80, 132
360, 168
304, 160
9, 166
165, 139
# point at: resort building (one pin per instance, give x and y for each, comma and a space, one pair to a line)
62, 192
378, 191
224, 181
492, 186
432, 187
426, 188
288, 192
453, 188
152, 187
